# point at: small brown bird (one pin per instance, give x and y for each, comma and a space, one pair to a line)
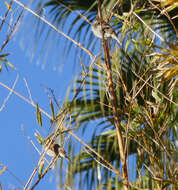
107, 30
56, 150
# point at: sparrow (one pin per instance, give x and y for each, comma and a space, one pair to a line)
109, 32
55, 150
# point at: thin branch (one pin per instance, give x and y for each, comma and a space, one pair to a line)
51, 95
145, 82
167, 15
25, 99
33, 144
55, 28
141, 78
51, 138
97, 160
5, 16
44, 173
28, 89
10, 93
12, 174
11, 32
154, 88
75, 11
149, 28
96, 153
36, 168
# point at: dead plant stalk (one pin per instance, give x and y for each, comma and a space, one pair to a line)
114, 105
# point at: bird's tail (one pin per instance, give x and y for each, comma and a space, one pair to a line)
117, 39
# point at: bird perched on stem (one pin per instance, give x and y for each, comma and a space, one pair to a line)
56, 150
51, 148
108, 31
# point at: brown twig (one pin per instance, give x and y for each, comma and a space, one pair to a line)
167, 98
44, 173
125, 176
5, 16
167, 15
11, 32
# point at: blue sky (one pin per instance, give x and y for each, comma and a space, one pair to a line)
47, 68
